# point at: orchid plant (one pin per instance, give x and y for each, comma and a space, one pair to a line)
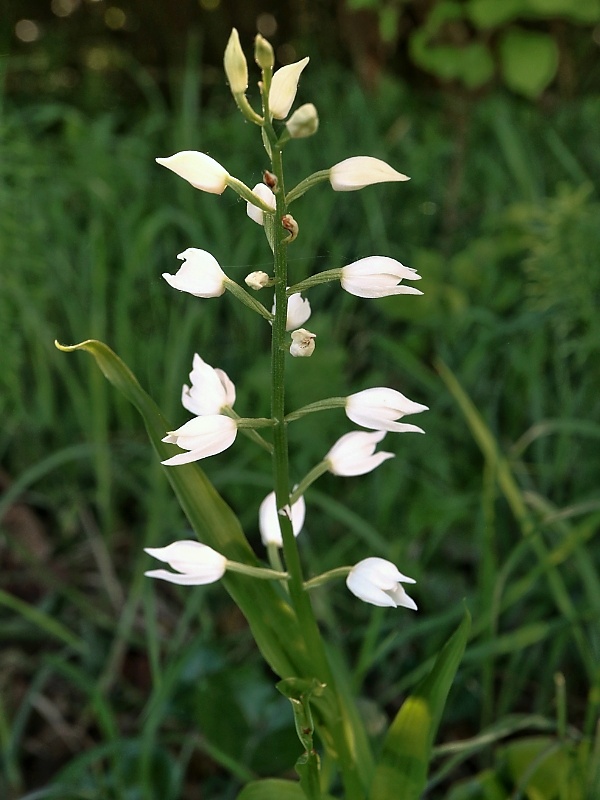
276, 599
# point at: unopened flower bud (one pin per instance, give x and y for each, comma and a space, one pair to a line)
284, 87
303, 343
269, 179
360, 171
263, 53
202, 171
290, 224
257, 280
303, 122
235, 64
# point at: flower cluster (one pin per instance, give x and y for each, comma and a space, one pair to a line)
210, 395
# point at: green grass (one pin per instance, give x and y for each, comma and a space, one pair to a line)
122, 689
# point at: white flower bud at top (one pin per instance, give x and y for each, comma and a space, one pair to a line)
378, 582
202, 171
257, 280
303, 122
266, 195
196, 563
360, 171
303, 343
236, 67
263, 53
284, 87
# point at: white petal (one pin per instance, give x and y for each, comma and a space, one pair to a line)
298, 311
378, 408
203, 437
199, 275
378, 276
303, 122
360, 171
211, 389
354, 453
197, 563
267, 196
284, 87
268, 521
202, 171
377, 581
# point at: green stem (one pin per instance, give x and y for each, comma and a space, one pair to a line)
257, 572
333, 712
319, 405
306, 184
308, 479
247, 299
314, 280
332, 574
250, 432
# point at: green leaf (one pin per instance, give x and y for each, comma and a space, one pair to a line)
402, 769
528, 60
485, 786
491, 13
580, 11
273, 789
271, 619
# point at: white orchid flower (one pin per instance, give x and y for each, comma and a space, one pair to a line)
303, 343
378, 276
201, 437
196, 563
200, 274
202, 171
380, 407
379, 582
354, 453
268, 521
298, 311
210, 392
360, 171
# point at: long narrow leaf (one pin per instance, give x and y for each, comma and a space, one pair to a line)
272, 622
403, 766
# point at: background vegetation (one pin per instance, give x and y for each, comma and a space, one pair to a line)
111, 687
